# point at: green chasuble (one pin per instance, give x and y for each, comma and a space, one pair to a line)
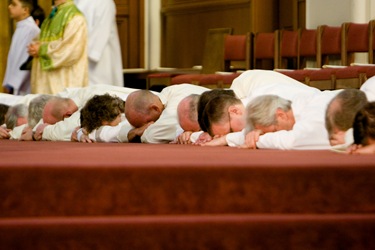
53, 29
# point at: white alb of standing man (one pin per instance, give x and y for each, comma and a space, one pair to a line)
104, 50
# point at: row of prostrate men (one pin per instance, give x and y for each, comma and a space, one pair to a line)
263, 109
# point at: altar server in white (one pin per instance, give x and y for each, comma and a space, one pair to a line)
17, 81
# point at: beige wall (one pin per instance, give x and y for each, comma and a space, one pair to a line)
335, 12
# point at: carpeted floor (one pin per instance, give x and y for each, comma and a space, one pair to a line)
63, 195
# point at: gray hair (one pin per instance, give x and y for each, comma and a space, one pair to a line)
36, 107
15, 112
261, 110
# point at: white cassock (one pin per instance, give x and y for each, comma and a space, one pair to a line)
308, 132
118, 133
62, 130
104, 51
253, 83
369, 88
164, 129
25, 32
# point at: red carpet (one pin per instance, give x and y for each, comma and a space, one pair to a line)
62, 195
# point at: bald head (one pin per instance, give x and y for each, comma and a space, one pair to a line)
187, 111
57, 109
142, 107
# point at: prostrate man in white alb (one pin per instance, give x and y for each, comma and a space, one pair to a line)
253, 83
143, 107
67, 105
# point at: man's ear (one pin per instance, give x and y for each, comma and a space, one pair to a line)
234, 110
154, 107
281, 114
68, 114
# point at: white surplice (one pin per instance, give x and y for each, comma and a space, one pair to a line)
26, 31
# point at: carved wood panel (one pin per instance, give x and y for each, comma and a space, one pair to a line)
130, 15
185, 23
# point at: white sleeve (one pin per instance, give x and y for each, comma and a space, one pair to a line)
111, 133
194, 136
163, 130
235, 139
123, 133
105, 134
277, 140
369, 88
62, 130
16, 133
304, 135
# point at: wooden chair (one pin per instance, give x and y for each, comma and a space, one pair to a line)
237, 52
323, 79
352, 76
266, 50
371, 57
214, 50
356, 38
329, 45
288, 56
300, 75
308, 46
212, 58
236, 57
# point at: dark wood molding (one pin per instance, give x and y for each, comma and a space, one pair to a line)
201, 6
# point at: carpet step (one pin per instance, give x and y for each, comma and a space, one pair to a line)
120, 191
230, 232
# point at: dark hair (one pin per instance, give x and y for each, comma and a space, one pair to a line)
3, 110
100, 108
38, 14
364, 124
30, 4
216, 109
205, 98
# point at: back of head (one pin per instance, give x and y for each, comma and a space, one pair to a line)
143, 100
342, 109
262, 110
38, 15
3, 110
216, 110
15, 114
206, 96
188, 114
30, 4
55, 109
36, 107
364, 125
99, 109
138, 106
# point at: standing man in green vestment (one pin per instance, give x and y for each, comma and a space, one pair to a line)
60, 52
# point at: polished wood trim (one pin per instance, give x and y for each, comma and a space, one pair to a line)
201, 6
5, 38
